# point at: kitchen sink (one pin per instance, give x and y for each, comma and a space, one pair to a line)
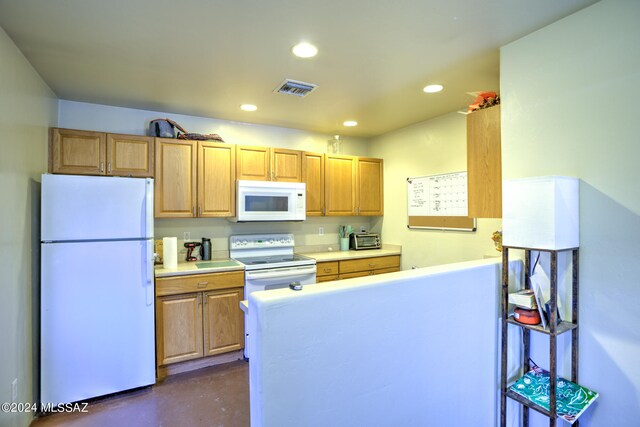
217, 264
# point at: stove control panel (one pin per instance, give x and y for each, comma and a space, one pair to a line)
261, 241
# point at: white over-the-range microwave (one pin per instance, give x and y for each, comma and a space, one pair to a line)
270, 201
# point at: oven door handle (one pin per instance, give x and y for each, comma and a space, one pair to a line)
281, 272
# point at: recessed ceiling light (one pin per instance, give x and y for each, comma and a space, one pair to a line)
304, 50
350, 123
248, 107
433, 88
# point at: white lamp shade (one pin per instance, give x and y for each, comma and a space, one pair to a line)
541, 213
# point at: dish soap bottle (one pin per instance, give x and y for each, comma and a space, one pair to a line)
205, 249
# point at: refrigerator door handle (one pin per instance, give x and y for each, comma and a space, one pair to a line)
150, 272
149, 293
149, 209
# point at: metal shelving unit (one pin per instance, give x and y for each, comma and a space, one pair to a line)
554, 329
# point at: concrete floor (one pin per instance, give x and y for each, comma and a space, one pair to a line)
214, 396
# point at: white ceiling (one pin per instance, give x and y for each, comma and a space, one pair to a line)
206, 57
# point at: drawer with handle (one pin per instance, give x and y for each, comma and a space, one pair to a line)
198, 282
364, 264
327, 268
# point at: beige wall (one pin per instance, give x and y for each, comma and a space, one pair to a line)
570, 107
27, 109
431, 147
80, 115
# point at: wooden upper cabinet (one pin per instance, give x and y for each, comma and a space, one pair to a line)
175, 183
286, 165
268, 164
370, 196
223, 321
313, 177
252, 163
216, 179
77, 152
179, 328
98, 153
484, 163
340, 185
129, 155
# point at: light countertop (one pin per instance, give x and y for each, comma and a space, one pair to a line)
213, 266
345, 255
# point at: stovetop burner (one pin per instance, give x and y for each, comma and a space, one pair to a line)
275, 260
266, 251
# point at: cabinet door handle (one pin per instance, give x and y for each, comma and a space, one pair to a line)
372, 265
109, 167
202, 284
101, 166
194, 211
204, 298
199, 299
327, 270
199, 210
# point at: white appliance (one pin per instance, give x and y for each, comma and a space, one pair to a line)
270, 264
97, 290
270, 201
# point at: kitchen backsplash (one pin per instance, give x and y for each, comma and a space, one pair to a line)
306, 233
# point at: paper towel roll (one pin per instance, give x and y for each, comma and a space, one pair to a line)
170, 252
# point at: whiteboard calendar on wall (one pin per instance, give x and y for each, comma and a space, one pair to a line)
438, 195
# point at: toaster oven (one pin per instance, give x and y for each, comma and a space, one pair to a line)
359, 241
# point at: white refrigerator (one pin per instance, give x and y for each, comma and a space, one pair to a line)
97, 290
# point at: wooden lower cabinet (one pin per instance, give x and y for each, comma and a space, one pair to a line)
223, 321
198, 316
348, 269
179, 328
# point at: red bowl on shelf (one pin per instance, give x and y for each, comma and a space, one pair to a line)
526, 316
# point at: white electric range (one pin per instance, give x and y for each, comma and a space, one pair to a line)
270, 264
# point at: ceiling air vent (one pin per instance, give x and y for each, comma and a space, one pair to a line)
295, 87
